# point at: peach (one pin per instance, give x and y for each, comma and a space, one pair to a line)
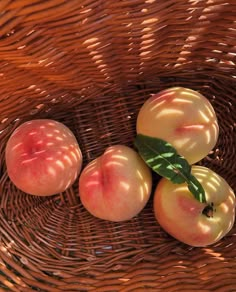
188, 220
182, 117
115, 186
43, 157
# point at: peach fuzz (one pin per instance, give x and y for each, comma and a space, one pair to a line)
188, 220
117, 185
182, 117
43, 157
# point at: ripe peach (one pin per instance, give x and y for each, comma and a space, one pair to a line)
188, 220
43, 157
182, 117
115, 186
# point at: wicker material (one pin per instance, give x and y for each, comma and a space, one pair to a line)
91, 65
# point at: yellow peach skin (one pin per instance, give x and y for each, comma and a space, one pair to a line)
182, 117
117, 185
188, 220
43, 157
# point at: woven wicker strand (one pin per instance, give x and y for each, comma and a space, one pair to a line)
91, 65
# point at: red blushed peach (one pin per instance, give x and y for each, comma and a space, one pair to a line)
188, 220
117, 185
182, 117
43, 157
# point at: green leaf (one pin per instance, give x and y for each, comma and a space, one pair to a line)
196, 189
163, 158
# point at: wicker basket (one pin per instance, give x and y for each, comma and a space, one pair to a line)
91, 65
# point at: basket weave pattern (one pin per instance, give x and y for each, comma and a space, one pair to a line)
91, 65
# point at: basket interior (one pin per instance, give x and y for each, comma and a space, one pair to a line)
91, 65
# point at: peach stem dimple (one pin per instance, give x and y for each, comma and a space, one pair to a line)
208, 210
